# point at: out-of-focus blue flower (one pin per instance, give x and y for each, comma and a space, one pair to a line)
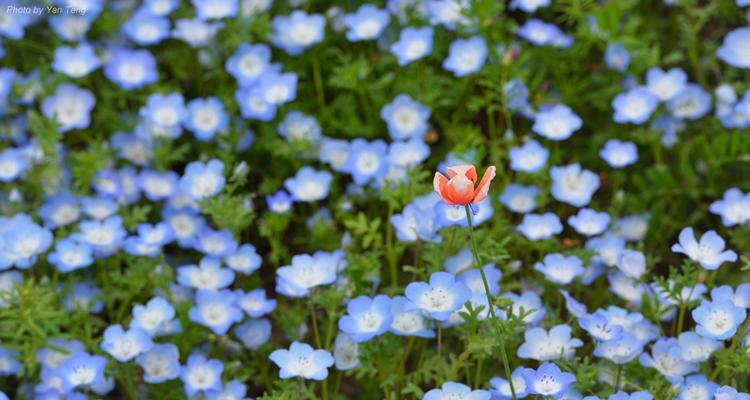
542, 345
696, 348
13, 22
408, 153
696, 387
440, 297
691, 103
75, 62
279, 202
541, 33
573, 185
599, 327
196, 32
408, 319
83, 297
500, 387
727, 392
304, 273
665, 84
300, 127
160, 364
301, 360
454, 390
255, 303
530, 157
232, 390
718, 319
207, 275
709, 252
557, 122
200, 375
131, 69
575, 308
617, 57
80, 370
406, 118
619, 154
346, 352
70, 255
125, 345
215, 9
70, 107
254, 333
153, 316
560, 269
203, 180
367, 160
161, 7
519, 198
589, 222
417, 221
296, 32
621, 350
547, 380
733, 49
412, 44
215, 243
666, 357
206, 117
248, 63
466, 56
529, 6
632, 263
540, 226
448, 13
309, 185
22, 241
145, 28
529, 302
244, 260
12, 164
635, 106
366, 317
216, 310
607, 247
367, 23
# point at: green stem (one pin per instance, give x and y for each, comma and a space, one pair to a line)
314, 320
439, 339
318, 80
478, 263
617, 379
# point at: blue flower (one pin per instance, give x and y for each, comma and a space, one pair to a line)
528, 6
451, 390
607, 248
161, 7
22, 241
697, 387
542, 345
70, 255
81, 370
617, 57
573, 185
619, 154
154, 316
541, 33
158, 186
418, 220
125, 345
412, 44
253, 104
718, 319
635, 106
589, 222
248, 63
254, 333
75, 62
9, 364
472, 278
296, 32
448, 13
574, 307
12, 164
500, 387
528, 303
408, 153
632, 263
196, 32
131, 69
730, 393
621, 350
279, 202
309, 185
206, 117
216, 310
665, 84
691, 103
232, 390
366, 317
530, 157
202, 180
215, 9
244, 260
406, 118
366, 23
306, 272
408, 319
466, 56
740, 297
58, 351
83, 297
334, 152
440, 297
70, 107
367, 160
733, 49
518, 198
301, 360
145, 28
547, 380
640, 395
201, 375
185, 223
560, 269
540, 226
345, 352
213, 243
696, 348
255, 303
666, 357
207, 275
300, 127
709, 252
160, 364
599, 327
557, 122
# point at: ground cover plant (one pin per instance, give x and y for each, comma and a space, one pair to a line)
408, 199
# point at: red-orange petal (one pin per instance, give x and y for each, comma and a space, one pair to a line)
468, 170
439, 182
454, 197
484, 185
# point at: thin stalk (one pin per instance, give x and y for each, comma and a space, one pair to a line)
314, 320
318, 80
439, 339
617, 379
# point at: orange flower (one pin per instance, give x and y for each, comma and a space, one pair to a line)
458, 188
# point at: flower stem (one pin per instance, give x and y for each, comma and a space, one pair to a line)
478, 263
311, 302
617, 379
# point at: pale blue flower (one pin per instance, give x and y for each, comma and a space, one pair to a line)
691, 103
560, 269
366, 317
573, 185
466, 56
530, 157
160, 364
542, 345
557, 122
201, 375
589, 222
125, 345
718, 319
412, 44
617, 57
733, 49
216, 310
254, 333
547, 380
635, 106
440, 297
518, 198
298, 31
131, 69
665, 84
666, 357
541, 33
540, 226
734, 207
697, 387
367, 23
619, 154
406, 118
454, 390
70, 107
301, 360
709, 252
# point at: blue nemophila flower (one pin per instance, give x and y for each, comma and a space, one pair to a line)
740, 297
244, 260
574, 307
149, 239
697, 387
626, 287
215, 243
232, 390
529, 6
599, 327
13, 23
75, 62
59, 210
557, 122
408, 319
309, 185
215, 9
518, 198
690, 103
153, 316
296, 32
517, 97
408, 153
589, 222
145, 28
461, 262
640, 395
718, 319
632, 263
70, 107
131, 69
666, 357
200, 375
206, 117
22, 241
8, 281
334, 152
547, 380
448, 13
217, 310
730, 393
71, 27
255, 303
13, 163
300, 127
207, 275
276, 88
202, 180
412, 44
366, 317
254, 333
279, 202
472, 278
81, 370
607, 248
58, 351
161, 7
733, 49
160, 364
560, 269
440, 297
540, 226
500, 387
165, 111
70, 255
617, 57
709, 252
541, 33
125, 345
621, 350
158, 186
406, 118
301, 360
734, 207
9, 364
665, 84
196, 32
542, 345
185, 223
619, 154
306, 272
466, 56
573, 185
367, 160
696, 348
530, 157
345, 352
454, 390
367, 23
635, 106
83, 297
248, 63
